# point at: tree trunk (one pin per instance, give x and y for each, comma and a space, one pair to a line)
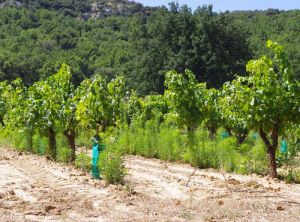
228, 129
241, 137
273, 166
71, 135
97, 129
212, 132
271, 147
2, 122
52, 143
104, 126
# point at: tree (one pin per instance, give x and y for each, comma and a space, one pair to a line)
219, 48
269, 96
4, 87
67, 116
69, 123
22, 112
281, 26
50, 98
234, 119
204, 42
100, 103
191, 103
186, 98
153, 106
132, 108
213, 116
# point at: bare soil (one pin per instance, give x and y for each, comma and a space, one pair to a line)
33, 188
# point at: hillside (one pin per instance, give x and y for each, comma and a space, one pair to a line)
141, 43
85, 9
281, 26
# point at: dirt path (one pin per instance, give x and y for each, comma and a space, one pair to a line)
35, 189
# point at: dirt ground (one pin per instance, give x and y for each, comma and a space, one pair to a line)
33, 188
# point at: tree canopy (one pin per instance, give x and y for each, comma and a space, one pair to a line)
36, 40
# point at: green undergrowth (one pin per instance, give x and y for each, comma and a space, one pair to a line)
172, 144
112, 166
83, 162
163, 142
111, 162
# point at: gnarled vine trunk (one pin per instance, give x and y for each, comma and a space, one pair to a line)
104, 125
228, 129
2, 122
97, 129
271, 147
71, 135
241, 136
212, 132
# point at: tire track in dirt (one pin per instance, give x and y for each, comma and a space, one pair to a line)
33, 188
43, 192
216, 196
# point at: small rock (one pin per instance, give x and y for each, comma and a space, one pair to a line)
132, 192
280, 208
130, 204
277, 189
49, 207
221, 202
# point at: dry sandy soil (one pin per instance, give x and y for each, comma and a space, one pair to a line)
33, 188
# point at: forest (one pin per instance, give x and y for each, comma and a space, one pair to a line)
214, 91
35, 41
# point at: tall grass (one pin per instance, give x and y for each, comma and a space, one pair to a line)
111, 162
112, 166
154, 140
172, 144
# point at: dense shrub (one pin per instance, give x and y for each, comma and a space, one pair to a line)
112, 166
173, 144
